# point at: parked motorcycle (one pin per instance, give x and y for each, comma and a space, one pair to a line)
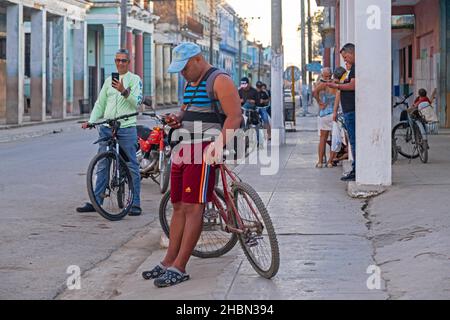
154, 151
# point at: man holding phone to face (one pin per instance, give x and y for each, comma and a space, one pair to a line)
121, 94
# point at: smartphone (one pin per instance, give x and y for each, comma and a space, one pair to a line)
114, 75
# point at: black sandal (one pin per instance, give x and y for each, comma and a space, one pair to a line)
156, 272
170, 278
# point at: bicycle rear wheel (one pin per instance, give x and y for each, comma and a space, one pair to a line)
404, 139
115, 193
422, 144
259, 240
214, 241
164, 175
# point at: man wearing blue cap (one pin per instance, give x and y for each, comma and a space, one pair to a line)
210, 98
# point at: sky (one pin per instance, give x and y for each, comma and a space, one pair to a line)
259, 29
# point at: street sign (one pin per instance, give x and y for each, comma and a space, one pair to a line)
288, 73
314, 67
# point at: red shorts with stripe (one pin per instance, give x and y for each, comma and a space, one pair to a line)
191, 180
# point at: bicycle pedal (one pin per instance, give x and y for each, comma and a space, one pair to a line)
251, 243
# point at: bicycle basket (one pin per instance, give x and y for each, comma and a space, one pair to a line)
432, 128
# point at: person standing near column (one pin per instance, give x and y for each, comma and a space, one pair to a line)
347, 92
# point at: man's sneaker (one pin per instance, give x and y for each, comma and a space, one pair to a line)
156, 272
172, 277
349, 177
135, 211
86, 208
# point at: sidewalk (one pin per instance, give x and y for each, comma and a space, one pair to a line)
410, 225
322, 234
327, 239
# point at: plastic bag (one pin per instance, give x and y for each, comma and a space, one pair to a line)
336, 139
427, 112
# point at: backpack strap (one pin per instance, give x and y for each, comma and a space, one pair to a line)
210, 77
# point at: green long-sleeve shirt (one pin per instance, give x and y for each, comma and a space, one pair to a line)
111, 104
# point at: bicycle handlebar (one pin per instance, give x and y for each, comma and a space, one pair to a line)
403, 101
109, 121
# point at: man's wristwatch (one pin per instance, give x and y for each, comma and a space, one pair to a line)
125, 92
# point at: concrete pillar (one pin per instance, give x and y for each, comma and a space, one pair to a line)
148, 60
38, 61
373, 98
15, 66
130, 40
79, 65
111, 44
153, 75
49, 65
174, 87
277, 74
59, 69
139, 56
159, 71
350, 21
69, 67
166, 76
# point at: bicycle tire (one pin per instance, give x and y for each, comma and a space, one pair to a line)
127, 174
165, 225
272, 269
404, 152
164, 175
422, 144
394, 156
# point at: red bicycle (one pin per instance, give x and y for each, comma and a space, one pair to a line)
235, 212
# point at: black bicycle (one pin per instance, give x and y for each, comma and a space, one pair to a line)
410, 134
109, 181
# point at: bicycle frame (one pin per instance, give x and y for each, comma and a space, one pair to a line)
420, 125
232, 210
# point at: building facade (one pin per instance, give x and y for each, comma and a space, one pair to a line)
54, 54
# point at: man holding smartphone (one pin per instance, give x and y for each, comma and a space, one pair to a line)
121, 94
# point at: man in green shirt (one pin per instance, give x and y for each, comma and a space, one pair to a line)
119, 98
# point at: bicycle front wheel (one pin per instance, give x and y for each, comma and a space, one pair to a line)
214, 241
258, 240
110, 186
404, 139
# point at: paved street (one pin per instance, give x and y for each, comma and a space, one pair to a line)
327, 240
43, 180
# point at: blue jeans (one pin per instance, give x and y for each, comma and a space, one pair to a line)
127, 140
264, 115
349, 121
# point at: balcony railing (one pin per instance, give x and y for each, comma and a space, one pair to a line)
194, 26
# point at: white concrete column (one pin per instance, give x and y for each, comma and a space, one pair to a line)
350, 21
38, 61
343, 23
15, 57
277, 74
159, 71
153, 74
373, 98
79, 64
59, 100
166, 76
174, 87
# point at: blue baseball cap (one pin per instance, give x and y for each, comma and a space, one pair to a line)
181, 55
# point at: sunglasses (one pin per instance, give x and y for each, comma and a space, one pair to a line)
121, 60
